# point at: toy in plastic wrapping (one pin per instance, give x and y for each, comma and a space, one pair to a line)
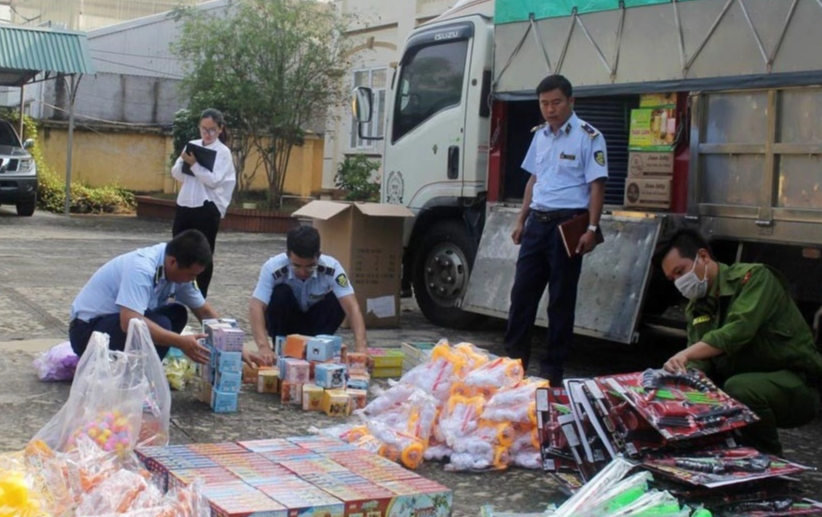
435, 378
499, 373
392, 397
527, 458
398, 446
130, 385
57, 364
437, 452
459, 418
618, 495
112, 431
180, 371
17, 497
478, 455
613, 473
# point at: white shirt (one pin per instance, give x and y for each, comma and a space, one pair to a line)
205, 185
136, 281
328, 277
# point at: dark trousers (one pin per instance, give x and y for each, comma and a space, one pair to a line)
284, 315
172, 317
543, 261
205, 218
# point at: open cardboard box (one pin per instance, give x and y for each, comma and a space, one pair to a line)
367, 240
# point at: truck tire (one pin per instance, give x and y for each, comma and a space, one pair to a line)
441, 271
26, 208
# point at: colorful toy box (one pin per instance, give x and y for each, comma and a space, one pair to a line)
291, 393
295, 371
330, 376
312, 397
320, 349
295, 346
336, 403
268, 381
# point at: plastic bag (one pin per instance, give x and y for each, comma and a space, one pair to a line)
57, 364
118, 399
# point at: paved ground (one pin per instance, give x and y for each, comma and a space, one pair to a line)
45, 260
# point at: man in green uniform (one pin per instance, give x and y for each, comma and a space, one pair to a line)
747, 334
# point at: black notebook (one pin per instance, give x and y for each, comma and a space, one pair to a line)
205, 157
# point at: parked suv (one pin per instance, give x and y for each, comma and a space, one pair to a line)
18, 174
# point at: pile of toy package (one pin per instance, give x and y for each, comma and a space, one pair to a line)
462, 404
307, 475
678, 426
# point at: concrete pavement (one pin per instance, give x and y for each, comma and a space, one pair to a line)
46, 259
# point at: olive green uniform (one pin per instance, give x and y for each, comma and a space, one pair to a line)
770, 362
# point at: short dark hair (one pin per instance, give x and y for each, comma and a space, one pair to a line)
556, 82
190, 247
686, 241
303, 241
219, 119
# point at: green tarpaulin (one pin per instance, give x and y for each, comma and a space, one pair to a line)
508, 11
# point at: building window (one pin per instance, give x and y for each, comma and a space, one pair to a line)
376, 80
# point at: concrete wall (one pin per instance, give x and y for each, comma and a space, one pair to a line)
377, 39
139, 160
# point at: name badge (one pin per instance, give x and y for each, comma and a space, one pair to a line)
563, 156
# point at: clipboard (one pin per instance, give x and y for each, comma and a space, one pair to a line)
205, 157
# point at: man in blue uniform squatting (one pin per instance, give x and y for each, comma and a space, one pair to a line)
155, 284
568, 165
303, 292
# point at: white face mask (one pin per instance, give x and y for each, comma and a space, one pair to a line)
690, 285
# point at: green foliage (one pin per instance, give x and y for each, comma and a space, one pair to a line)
184, 129
51, 188
354, 176
271, 66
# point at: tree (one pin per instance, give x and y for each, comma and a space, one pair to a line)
273, 66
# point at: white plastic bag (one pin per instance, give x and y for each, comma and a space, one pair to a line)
118, 399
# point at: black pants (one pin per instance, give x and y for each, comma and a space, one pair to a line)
172, 317
284, 315
543, 261
205, 218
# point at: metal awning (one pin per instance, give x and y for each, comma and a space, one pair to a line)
26, 52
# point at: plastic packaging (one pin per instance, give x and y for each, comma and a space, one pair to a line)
118, 399
180, 371
606, 478
499, 373
459, 418
57, 364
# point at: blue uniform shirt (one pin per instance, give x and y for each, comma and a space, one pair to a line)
136, 281
328, 277
564, 164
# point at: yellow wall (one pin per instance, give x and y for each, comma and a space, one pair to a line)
139, 160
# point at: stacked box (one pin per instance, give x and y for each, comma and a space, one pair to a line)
239, 499
295, 346
415, 354
268, 380
336, 403
312, 397
320, 349
359, 398
209, 476
337, 343
302, 498
357, 363
291, 393
295, 371
222, 378
358, 382
279, 344
330, 376
270, 445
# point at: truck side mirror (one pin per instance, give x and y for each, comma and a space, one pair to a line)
362, 105
363, 108
28, 144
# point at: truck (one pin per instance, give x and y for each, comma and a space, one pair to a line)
743, 151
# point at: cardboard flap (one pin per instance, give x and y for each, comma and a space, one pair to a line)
322, 210
383, 210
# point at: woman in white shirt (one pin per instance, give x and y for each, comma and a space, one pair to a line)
205, 194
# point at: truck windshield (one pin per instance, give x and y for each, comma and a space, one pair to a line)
431, 81
7, 135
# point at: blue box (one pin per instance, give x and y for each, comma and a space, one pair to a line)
228, 382
337, 343
222, 402
229, 362
358, 382
319, 349
330, 376
279, 344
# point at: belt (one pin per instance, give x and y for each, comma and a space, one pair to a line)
553, 215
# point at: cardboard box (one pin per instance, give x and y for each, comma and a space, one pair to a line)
652, 129
359, 398
336, 403
357, 363
228, 382
386, 357
648, 193
291, 393
359, 381
367, 240
650, 165
222, 402
268, 381
295, 371
329, 376
387, 372
337, 340
320, 349
228, 361
295, 346
312, 397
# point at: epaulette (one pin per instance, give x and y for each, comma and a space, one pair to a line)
281, 272
588, 129
158, 275
325, 270
537, 128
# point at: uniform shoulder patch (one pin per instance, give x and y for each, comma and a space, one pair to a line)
537, 128
342, 280
280, 273
590, 130
599, 157
325, 270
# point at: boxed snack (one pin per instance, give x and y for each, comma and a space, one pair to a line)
312, 397
291, 393
222, 402
358, 381
268, 381
359, 398
228, 382
320, 349
329, 376
295, 346
336, 403
228, 361
295, 371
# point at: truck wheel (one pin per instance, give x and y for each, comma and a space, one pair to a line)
441, 272
26, 208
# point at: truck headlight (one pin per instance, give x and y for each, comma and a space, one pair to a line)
26, 165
